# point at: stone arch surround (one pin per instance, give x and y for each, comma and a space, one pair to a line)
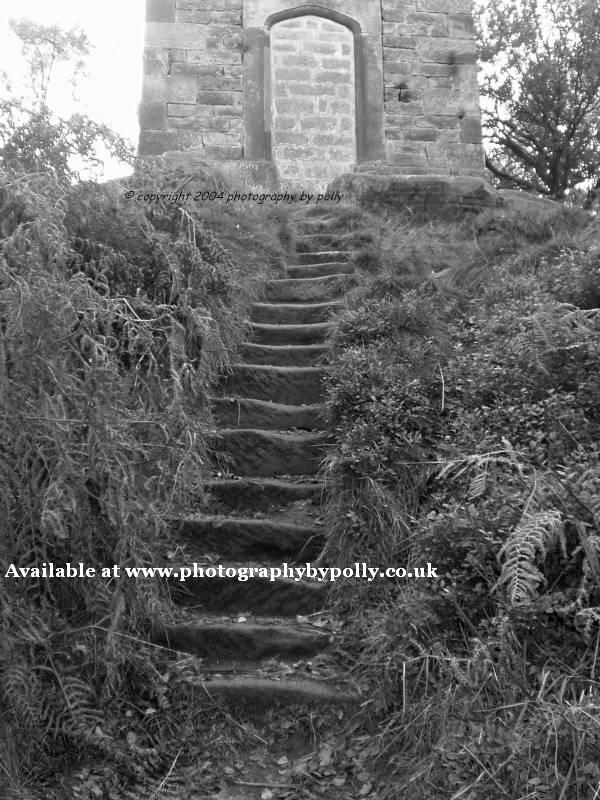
365, 27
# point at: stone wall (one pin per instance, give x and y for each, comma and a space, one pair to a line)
193, 82
207, 78
313, 99
432, 118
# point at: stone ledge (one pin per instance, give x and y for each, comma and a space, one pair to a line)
425, 196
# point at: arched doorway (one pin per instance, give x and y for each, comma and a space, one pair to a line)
312, 89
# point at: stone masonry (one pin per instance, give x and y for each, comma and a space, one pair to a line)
309, 90
313, 109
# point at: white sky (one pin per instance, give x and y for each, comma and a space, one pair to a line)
116, 30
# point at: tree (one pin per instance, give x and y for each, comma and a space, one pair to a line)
541, 88
34, 138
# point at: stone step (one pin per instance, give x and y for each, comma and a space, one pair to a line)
259, 596
259, 494
311, 225
233, 412
324, 256
283, 356
291, 385
334, 240
242, 537
319, 270
303, 290
316, 333
217, 641
265, 693
265, 454
293, 313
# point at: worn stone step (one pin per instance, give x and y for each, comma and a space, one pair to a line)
324, 256
284, 356
319, 224
216, 641
293, 313
319, 270
302, 290
291, 385
235, 412
259, 494
259, 596
315, 333
332, 240
243, 537
265, 693
265, 454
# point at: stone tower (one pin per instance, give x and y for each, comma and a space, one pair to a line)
311, 90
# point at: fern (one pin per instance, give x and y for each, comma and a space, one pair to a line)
533, 538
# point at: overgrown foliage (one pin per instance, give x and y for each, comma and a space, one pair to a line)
541, 88
116, 318
470, 431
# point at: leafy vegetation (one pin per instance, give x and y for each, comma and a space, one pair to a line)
467, 415
540, 83
115, 320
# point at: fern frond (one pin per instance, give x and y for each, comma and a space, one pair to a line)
533, 538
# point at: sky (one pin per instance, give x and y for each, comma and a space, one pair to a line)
116, 30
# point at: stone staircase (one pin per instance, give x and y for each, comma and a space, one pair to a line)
265, 499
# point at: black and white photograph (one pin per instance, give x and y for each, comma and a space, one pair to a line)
300, 400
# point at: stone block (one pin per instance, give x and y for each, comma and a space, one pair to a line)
292, 105
318, 122
326, 48
298, 74
282, 137
332, 77
311, 89
221, 138
341, 107
160, 10
156, 61
399, 121
440, 121
398, 54
222, 153
448, 51
214, 98
451, 103
301, 60
286, 123
181, 88
221, 57
171, 34
461, 26
396, 107
337, 63
427, 196
153, 116
470, 130
445, 6
457, 159
332, 140
181, 109
436, 70
405, 42
199, 123
154, 88
422, 135
199, 16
